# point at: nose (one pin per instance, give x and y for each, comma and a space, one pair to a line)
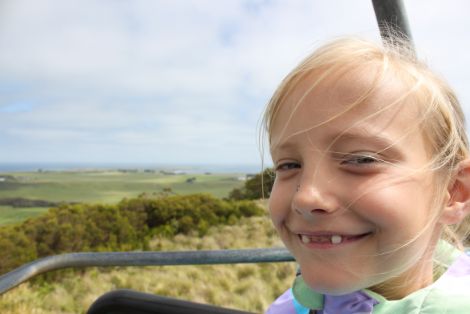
312, 200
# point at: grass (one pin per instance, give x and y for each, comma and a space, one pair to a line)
103, 187
112, 186
251, 287
11, 215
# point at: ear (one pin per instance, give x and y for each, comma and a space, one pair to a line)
458, 204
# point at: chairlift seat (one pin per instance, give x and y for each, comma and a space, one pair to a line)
125, 301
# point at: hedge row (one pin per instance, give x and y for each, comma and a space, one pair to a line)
125, 226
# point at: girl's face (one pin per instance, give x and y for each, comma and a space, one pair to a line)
351, 199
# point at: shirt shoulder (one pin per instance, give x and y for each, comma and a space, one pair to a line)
450, 294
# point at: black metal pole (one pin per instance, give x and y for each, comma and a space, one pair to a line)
391, 15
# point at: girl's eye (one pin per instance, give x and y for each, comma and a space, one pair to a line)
360, 160
287, 166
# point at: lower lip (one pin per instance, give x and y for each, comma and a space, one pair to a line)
329, 245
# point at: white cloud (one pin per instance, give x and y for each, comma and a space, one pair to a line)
158, 77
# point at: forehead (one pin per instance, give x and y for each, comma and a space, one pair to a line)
361, 98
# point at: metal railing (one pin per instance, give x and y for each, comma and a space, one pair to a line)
75, 260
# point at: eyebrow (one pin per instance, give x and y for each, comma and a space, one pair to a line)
384, 143
358, 134
361, 134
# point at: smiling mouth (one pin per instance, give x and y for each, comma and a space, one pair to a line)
334, 239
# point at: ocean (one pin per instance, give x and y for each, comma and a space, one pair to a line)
8, 167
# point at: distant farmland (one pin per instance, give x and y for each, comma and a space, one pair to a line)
108, 186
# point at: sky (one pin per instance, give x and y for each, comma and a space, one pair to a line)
178, 81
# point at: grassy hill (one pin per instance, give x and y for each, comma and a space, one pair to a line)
251, 287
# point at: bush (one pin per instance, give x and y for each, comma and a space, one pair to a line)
258, 187
16, 247
125, 226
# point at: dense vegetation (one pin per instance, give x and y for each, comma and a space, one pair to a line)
250, 287
257, 187
128, 225
156, 220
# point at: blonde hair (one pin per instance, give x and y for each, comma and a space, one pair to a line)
442, 120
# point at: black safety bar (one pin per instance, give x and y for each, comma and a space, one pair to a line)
391, 16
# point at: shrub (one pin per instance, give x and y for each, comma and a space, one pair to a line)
125, 226
259, 186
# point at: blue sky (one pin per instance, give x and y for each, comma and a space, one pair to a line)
177, 81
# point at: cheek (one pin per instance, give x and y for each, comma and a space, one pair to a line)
279, 204
406, 205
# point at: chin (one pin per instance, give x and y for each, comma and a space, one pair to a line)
332, 285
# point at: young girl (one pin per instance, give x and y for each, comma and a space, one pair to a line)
372, 183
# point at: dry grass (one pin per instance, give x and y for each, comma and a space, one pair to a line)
250, 287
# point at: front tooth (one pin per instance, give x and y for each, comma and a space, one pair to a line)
305, 239
336, 239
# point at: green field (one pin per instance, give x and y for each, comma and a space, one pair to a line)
103, 187
11, 215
